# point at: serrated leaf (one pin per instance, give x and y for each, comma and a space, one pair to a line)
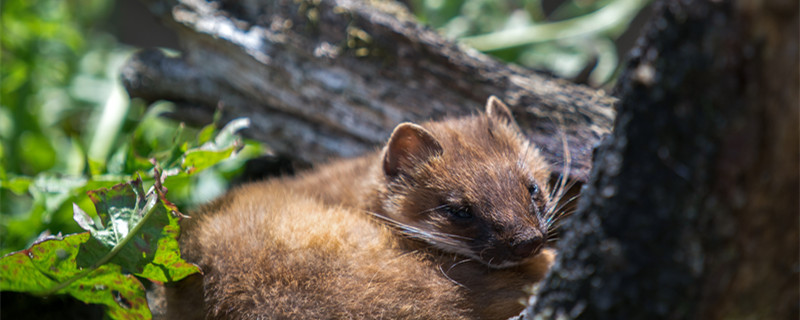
142, 228
48, 267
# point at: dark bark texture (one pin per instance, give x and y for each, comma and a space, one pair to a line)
322, 78
691, 211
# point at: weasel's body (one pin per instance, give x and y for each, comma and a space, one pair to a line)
272, 253
448, 221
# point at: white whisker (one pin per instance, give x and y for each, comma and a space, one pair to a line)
431, 237
451, 279
458, 263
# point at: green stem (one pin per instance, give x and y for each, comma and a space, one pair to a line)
149, 206
601, 20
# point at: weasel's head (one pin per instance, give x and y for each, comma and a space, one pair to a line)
473, 186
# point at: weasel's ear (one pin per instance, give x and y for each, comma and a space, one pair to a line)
498, 110
408, 145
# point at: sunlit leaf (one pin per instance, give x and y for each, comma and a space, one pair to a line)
49, 267
138, 233
83, 219
206, 133
225, 144
143, 228
227, 135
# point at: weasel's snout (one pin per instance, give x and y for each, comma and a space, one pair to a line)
508, 253
526, 248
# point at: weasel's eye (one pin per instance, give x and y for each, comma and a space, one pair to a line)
533, 189
458, 212
536, 194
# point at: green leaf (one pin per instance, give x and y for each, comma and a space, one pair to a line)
224, 146
198, 160
50, 263
137, 233
16, 185
83, 219
227, 136
142, 228
207, 133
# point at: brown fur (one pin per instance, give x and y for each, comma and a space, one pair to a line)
271, 253
335, 242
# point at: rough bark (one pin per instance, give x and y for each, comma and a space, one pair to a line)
691, 211
323, 78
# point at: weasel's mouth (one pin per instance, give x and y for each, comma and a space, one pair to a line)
500, 258
492, 261
504, 264
507, 263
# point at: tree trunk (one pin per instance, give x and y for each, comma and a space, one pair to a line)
691, 211
322, 78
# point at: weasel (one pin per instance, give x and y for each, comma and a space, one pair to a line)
449, 220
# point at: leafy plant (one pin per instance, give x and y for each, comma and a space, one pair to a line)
137, 235
133, 235
67, 127
186, 154
53, 73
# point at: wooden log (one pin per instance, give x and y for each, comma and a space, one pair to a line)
331, 78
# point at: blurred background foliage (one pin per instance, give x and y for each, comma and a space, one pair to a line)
579, 40
67, 126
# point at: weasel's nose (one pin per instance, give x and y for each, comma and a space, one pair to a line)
527, 248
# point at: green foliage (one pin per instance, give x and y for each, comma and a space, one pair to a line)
564, 40
137, 233
50, 263
133, 234
140, 230
57, 76
43, 44
184, 157
212, 152
67, 125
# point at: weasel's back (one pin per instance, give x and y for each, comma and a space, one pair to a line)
269, 253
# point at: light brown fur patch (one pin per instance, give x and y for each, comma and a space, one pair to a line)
268, 253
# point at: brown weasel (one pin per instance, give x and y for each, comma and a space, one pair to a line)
447, 221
